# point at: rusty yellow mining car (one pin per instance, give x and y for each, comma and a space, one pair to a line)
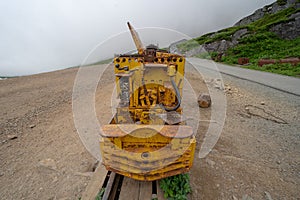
148, 138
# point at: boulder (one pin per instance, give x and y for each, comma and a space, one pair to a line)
289, 30
268, 9
238, 35
204, 100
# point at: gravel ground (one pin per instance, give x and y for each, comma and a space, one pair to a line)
42, 157
258, 153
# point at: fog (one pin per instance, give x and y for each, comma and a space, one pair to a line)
39, 36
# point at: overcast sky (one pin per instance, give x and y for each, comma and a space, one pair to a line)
38, 36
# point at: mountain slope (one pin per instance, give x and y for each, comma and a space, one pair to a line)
271, 32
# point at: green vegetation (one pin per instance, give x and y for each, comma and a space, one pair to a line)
205, 55
281, 2
284, 69
190, 44
224, 34
263, 45
100, 194
259, 43
176, 187
264, 23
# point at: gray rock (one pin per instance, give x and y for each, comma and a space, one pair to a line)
289, 30
268, 196
217, 83
238, 35
32, 126
278, 162
218, 46
269, 9
258, 14
204, 100
223, 46
12, 137
295, 16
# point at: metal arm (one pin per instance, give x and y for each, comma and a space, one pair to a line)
139, 46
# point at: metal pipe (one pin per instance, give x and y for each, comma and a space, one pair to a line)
177, 96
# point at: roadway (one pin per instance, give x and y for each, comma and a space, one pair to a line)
280, 82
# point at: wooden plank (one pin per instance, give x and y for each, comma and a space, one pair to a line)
129, 190
95, 183
160, 193
109, 186
145, 190
115, 189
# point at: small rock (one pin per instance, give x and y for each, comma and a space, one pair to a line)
218, 185
219, 87
55, 179
12, 137
268, 196
278, 162
234, 197
262, 103
211, 163
48, 164
204, 100
218, 84
1, 174
32, 126
247, 109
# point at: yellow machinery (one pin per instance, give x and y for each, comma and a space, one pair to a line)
147, 139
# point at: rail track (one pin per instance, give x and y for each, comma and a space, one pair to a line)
118, 187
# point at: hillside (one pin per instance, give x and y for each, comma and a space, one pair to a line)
271, 32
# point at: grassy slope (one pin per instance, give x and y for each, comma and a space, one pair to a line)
259, 43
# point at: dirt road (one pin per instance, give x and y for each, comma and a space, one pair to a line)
42, 157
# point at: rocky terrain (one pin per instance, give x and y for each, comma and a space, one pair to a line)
272, 18
42, 156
